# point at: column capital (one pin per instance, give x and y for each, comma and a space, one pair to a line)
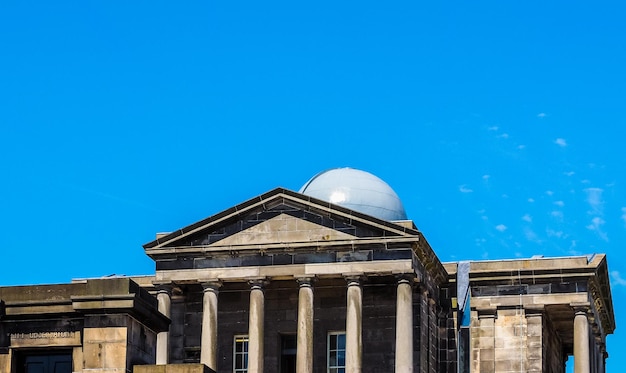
354, 279
580, 312
306, 281
167, 290
581, 308
212, 284
258, 283
406, 278
163, 286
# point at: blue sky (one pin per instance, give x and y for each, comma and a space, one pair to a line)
499, 124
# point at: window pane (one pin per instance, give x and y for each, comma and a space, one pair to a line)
332, 359
341, 341
341, 358
333, 341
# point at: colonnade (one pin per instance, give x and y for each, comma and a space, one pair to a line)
305, 343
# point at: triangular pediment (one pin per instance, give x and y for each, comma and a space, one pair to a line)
283, 228
282, 222
279, 216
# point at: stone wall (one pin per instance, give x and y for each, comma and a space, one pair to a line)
185, 327
379, 324
447, 348
141, 344
553, 356
511, 340
5, 362
104, 349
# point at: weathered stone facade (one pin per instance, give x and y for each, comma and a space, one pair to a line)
524, 313
103, 325
285, 282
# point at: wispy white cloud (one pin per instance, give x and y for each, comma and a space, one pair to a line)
504, 136
531, 235
464, 189
596, 226
559, 203
493, 128
521, 147
541, 115
569, 173
624, 214
549, 192
617, 278
560, 142
594, 199
572, 248
527, 218
501, 227
486, 177
553, 233
557, 214
480, 241
531, 200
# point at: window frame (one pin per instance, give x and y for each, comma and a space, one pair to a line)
335, 368
244, 340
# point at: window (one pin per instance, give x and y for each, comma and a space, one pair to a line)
336, 352
240, 354
288, 347
45, 363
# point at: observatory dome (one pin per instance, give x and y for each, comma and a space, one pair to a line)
357, 190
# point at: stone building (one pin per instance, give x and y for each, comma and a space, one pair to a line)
333, 278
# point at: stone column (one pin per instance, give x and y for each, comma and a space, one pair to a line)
256, 323
353, 325
208, 342
424, 328
581, 342
603, 356
404, 325
164, 302
304, 351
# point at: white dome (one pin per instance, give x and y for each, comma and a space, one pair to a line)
357, 190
